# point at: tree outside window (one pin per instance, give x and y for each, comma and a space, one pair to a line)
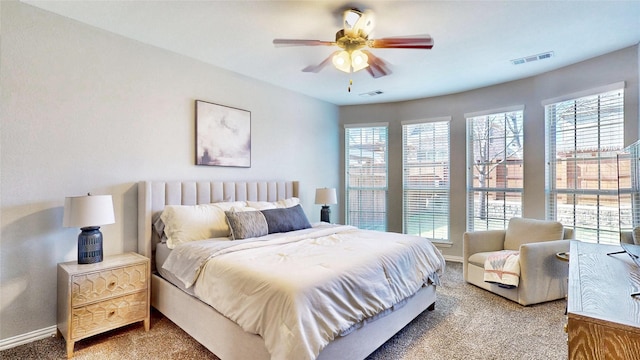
495, 169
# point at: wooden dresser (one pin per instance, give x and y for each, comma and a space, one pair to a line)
94, 298
603, 318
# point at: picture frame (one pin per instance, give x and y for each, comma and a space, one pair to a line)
223, 135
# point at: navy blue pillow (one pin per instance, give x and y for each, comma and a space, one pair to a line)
286, 219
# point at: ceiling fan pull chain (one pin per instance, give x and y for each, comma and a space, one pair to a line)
350, 83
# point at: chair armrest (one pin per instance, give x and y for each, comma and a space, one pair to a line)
482, 241
535, 254
569, 233
540, 268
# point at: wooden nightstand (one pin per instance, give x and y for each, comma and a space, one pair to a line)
94, 298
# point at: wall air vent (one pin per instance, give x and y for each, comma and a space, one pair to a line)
528, 59
372, 93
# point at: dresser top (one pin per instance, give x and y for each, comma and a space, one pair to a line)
72, 267
600, 285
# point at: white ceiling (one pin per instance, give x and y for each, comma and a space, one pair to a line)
475, 41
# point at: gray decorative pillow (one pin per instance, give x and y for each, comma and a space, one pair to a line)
246, 224
158, 227
286, 219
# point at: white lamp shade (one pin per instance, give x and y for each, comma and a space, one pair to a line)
90, 210
326, 196
359, 60
342, 61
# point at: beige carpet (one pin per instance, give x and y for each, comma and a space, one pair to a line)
468, 323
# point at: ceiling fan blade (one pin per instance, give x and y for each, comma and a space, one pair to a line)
425, 42
299, 42
317, 68
377, 67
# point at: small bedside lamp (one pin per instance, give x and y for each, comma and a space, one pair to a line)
88, 213
326, 196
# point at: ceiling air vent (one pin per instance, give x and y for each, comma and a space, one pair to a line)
528, 59
372, 93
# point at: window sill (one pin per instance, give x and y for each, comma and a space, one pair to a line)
441, 243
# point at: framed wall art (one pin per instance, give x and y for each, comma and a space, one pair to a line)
223, 135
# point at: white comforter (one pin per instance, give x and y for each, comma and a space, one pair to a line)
299, 290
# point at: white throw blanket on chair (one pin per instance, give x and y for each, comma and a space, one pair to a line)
503, 268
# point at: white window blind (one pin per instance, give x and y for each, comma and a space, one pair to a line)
584, 136
495, 169
425, 160
629, 187
366, 176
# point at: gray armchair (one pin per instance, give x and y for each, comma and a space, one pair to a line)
543, 276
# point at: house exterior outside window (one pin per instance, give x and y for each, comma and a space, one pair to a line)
425, 160
584, 134
366, 176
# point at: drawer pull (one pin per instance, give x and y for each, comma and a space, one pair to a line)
111, 285
111, 313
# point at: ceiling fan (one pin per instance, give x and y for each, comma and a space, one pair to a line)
352, 41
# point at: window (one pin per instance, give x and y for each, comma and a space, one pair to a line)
494, 168
629, 187
584, 135
425, 166
366, 176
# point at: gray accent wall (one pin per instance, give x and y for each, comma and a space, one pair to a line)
84, 110
622, 65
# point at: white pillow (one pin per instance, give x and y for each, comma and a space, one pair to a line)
266, 205
184, 223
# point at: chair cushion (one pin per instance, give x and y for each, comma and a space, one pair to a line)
521, 231
478, 259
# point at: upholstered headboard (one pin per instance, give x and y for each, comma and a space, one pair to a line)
154, 195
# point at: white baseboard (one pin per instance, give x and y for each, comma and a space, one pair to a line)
28, 337
453, 258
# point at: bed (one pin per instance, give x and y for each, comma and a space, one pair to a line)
224, 337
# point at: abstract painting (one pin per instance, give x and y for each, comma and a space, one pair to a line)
223, 135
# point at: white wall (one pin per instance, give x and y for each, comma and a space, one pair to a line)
611, 68
84, 110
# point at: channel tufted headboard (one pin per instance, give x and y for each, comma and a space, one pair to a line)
154, 195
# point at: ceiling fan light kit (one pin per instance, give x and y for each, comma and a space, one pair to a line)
359, 60
346, 61
357, 25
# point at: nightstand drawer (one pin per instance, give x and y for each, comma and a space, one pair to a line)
91, 287
109, 314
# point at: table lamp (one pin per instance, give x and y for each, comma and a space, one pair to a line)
326, 196
88, 213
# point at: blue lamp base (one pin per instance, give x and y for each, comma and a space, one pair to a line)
90, 245
325, 214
